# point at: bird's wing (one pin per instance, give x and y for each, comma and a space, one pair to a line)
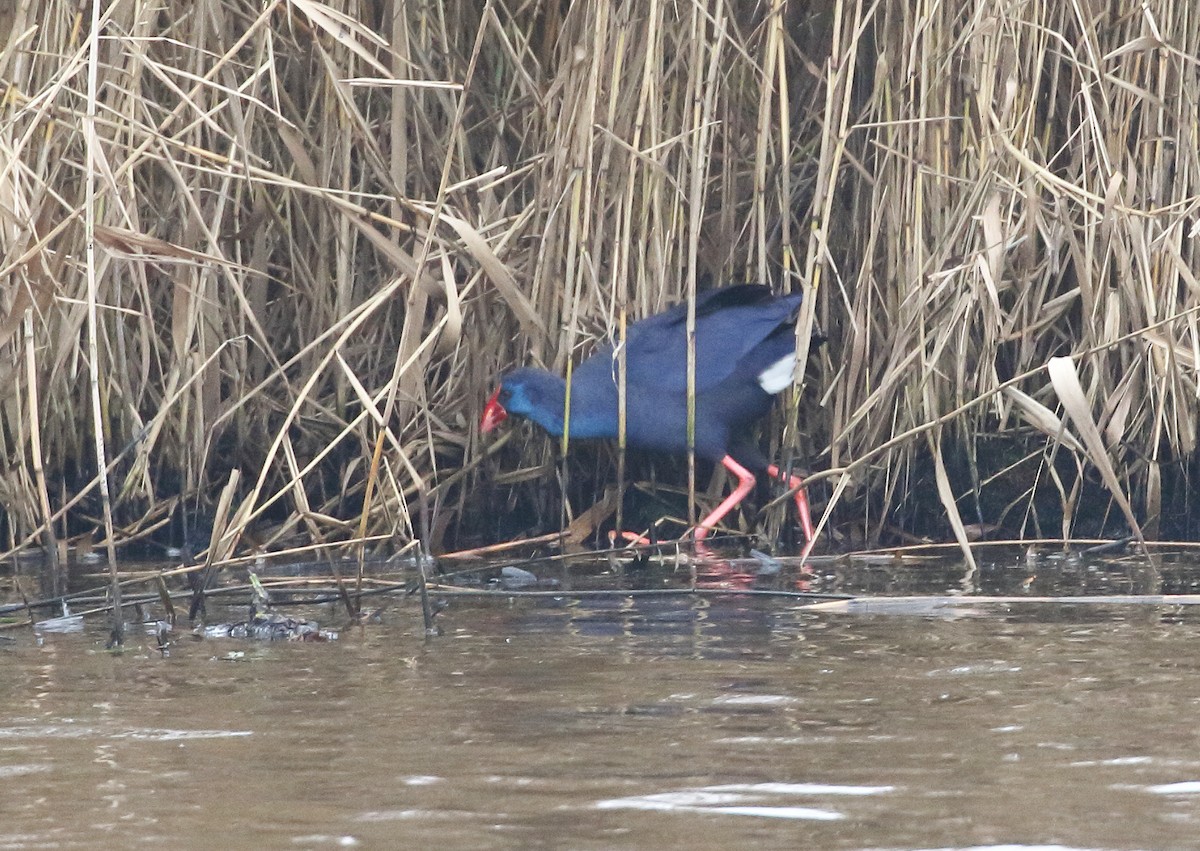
736, 330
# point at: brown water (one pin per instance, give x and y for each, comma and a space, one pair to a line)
617, 723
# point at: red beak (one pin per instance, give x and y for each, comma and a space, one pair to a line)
493, 413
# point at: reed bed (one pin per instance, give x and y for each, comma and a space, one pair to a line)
268, 258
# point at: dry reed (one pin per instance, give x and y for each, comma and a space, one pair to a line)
321, 229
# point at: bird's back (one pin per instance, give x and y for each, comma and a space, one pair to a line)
741, 332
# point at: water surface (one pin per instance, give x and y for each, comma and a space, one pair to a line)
657, 722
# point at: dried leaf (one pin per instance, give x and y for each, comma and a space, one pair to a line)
1043, 419
1066, 384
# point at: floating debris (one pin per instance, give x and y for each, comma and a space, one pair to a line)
515, 577
269, 627
767, 565
64, 624
518, 579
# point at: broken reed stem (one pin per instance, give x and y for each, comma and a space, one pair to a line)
49, 543
94, 156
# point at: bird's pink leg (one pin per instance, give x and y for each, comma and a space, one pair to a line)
801, 502
745, 485
632, 537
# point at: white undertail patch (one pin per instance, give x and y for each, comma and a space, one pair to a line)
778, 375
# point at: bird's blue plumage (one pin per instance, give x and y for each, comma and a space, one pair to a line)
741, 332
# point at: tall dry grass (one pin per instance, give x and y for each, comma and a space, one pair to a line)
320, 229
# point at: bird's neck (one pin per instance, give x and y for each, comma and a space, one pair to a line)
593, 410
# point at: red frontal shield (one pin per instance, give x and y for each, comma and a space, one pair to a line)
493, 413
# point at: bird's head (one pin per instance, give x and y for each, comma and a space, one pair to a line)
521, 393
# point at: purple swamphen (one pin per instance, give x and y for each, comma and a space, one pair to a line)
745, 354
